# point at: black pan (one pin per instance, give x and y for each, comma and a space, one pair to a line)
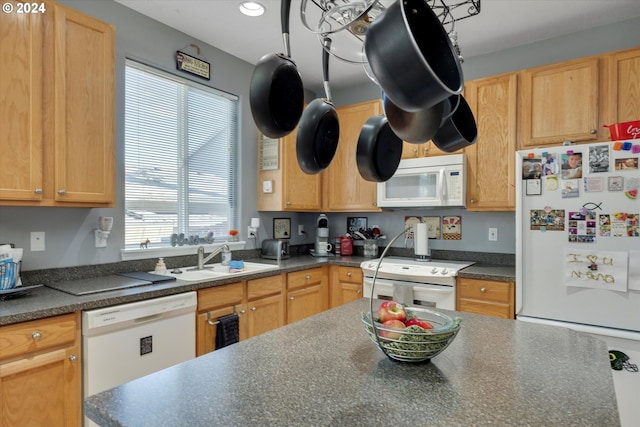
276, 93
411, 56
459, 131
419, 126
319, 130
379, 150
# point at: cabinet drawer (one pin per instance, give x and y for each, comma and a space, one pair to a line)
303, 278
220, 296
486, 308
37, 335
265, 286
485, 290
350, 275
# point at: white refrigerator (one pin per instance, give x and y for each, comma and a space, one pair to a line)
577, 237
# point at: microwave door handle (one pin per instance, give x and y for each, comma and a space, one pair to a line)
442, 187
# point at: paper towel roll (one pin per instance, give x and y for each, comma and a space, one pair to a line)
421, 239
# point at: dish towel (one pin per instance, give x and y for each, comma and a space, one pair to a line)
228, 331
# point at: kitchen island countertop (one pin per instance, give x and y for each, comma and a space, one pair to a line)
324, 371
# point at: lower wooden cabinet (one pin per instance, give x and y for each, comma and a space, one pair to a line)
487, 297
346, 285
40, 372
266, 304
307, 293
214, 303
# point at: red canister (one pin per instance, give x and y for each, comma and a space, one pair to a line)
346, 245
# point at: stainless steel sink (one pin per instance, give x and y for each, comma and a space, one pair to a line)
217, 271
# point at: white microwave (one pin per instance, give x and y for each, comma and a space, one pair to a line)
426, 182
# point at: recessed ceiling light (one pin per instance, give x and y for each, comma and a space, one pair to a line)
251, 8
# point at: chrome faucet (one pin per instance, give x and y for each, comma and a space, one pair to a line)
202, 260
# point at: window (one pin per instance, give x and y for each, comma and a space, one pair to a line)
180, 147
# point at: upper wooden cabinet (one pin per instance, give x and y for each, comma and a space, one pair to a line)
344, 189
285, 187
623, 90
490, 161
426, 149
57, 107
561, 102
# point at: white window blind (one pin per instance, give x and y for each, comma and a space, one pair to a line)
180, 149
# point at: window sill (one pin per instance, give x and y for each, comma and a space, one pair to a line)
135, 254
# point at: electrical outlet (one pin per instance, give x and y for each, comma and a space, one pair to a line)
251, 232
493, 234
300, 230
37, 241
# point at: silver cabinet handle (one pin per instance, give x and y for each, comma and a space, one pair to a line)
36, 335
288, 203
348, 274
38, 191
73, 358
472, 201
252, 309
62, 192
593, 131
243, 311
359, 291
483, 289
291, 298
307, 277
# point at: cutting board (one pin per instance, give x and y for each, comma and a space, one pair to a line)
97, 284
149, 277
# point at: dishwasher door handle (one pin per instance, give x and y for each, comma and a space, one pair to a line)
149, 318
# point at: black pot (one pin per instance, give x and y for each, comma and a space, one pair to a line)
459, 131
276, 93
378, 151
411, 56
419, 126
319, 129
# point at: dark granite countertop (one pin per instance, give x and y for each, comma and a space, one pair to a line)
324, 371
44, 302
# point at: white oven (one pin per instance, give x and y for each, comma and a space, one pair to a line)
413, 283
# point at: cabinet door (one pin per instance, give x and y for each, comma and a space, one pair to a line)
490, 162
84, 75
42, 390
302, 192
486, 297
624, 87
560, 103
343, 187
305, 302
21, 55
265, 314
412, 151
346, 285
206, 327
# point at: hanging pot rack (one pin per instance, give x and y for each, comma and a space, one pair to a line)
349, 19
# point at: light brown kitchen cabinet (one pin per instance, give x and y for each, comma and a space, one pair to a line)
346, 285
307, 293
561, 102
490, 161
344, 190
40, 372
425, 149
488, 297
623, 90
58, 109
266, 304
285, 187
21, 105
214, 303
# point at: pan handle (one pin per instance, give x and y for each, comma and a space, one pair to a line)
285, 8
326, 47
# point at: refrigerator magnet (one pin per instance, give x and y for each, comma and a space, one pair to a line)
533, 187
616, 183
551, 182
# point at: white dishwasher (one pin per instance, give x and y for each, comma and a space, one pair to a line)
125, 342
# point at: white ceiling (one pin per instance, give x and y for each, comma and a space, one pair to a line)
501, 24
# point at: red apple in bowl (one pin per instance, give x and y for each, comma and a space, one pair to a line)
419, 322
391, 310
392, 324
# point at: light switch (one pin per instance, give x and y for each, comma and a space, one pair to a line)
37, 241
267, 186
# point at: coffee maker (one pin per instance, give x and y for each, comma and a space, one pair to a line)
322, 246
